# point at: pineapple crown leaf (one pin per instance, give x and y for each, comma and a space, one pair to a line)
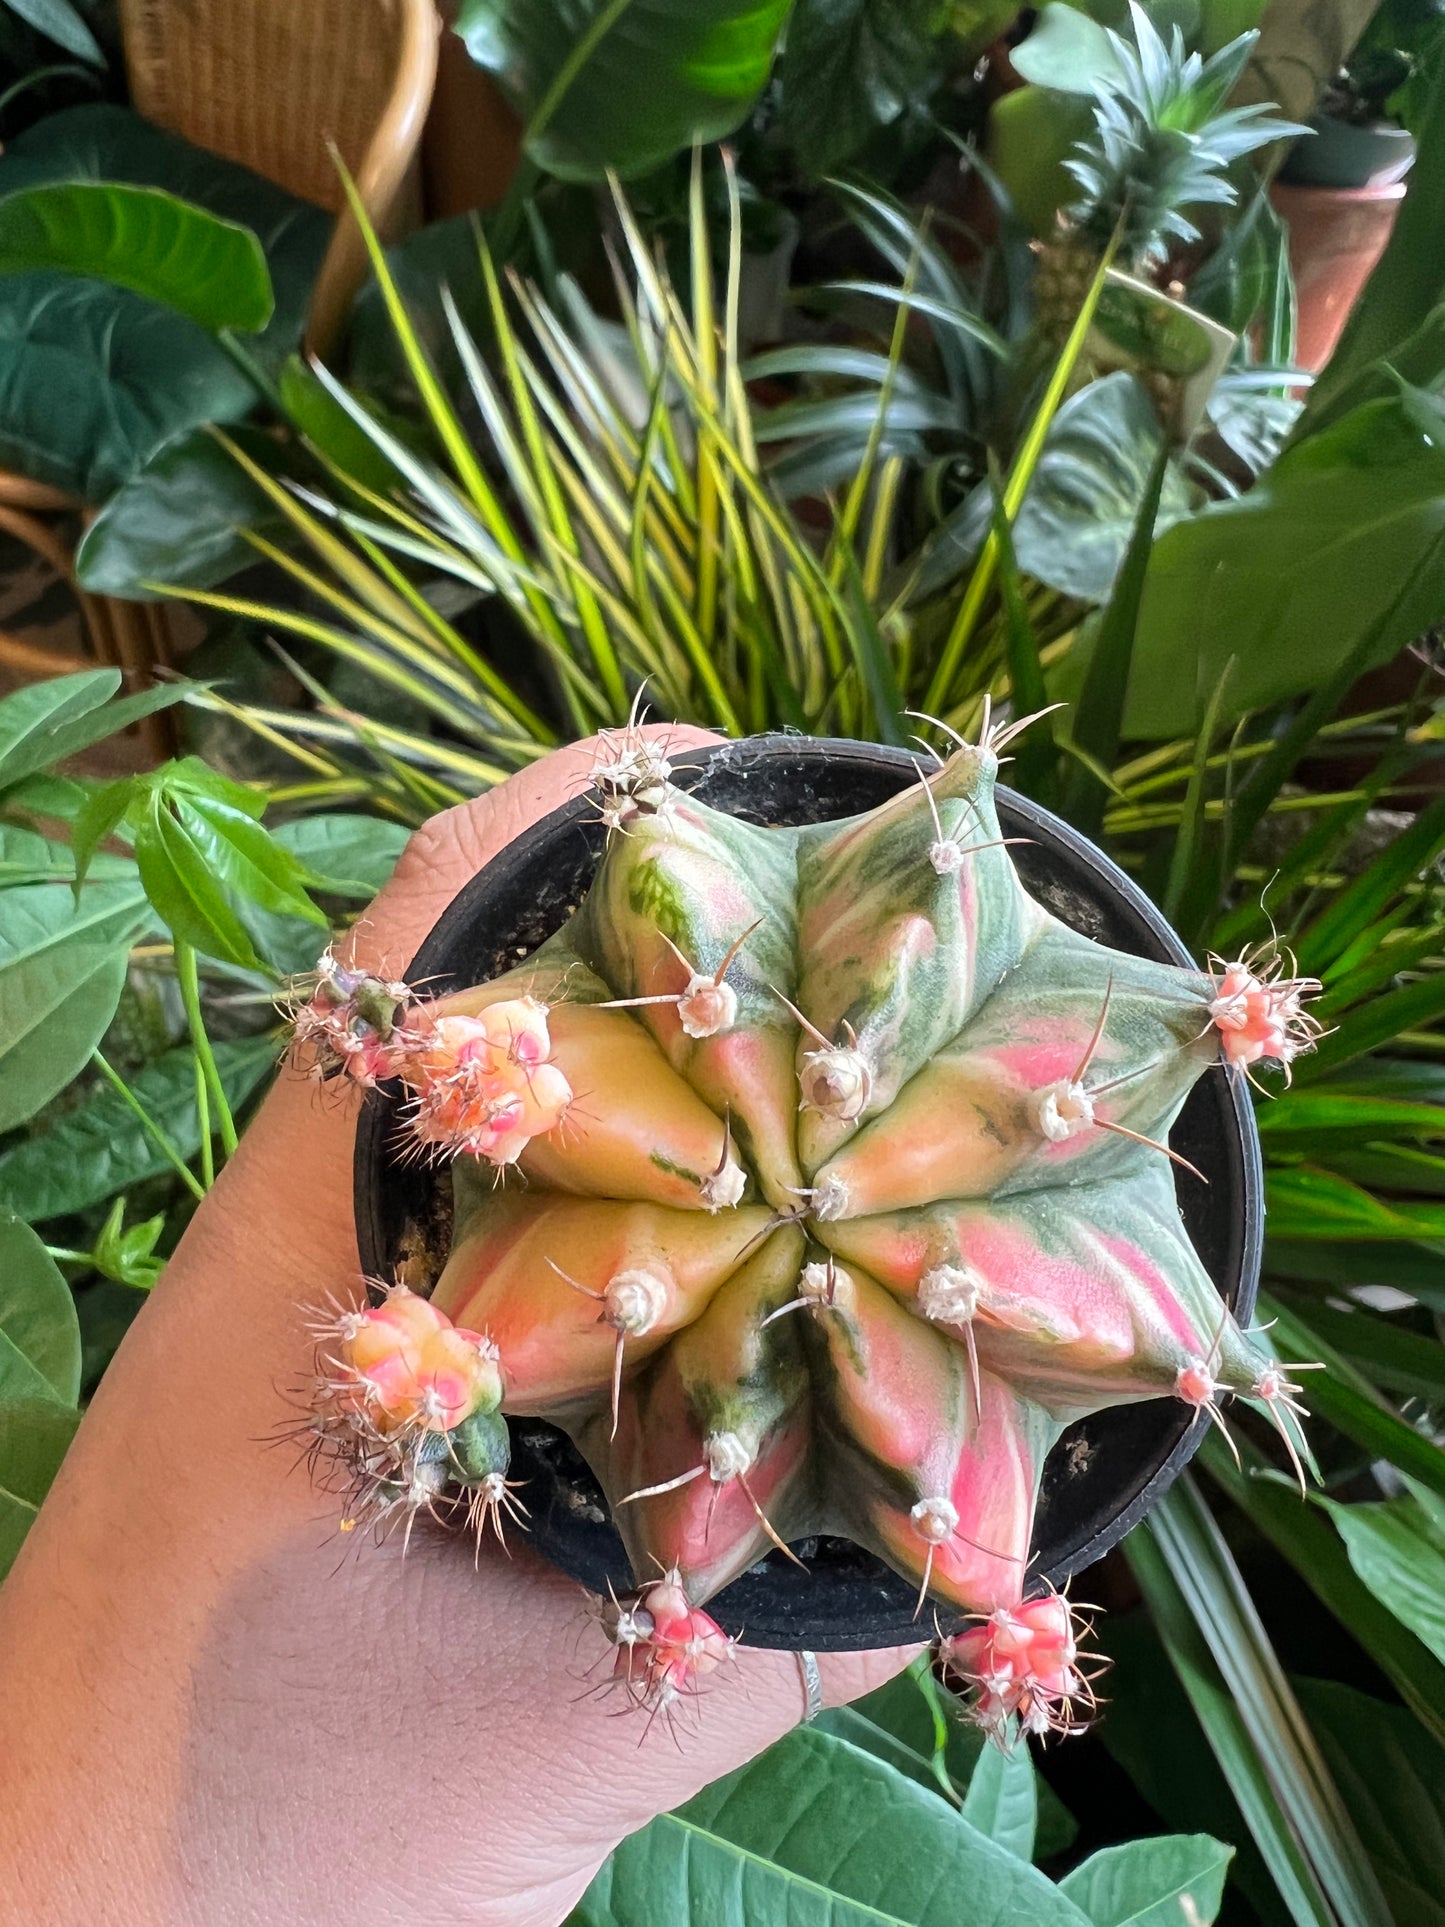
1163, 140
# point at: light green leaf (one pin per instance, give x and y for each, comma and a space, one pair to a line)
1068, 52
620, 84
30, 716
348, 856
1002, 1799
185, 894
28, 857
1398, 1551
101, 1147
818, 1834
62, 967
35, 1435
1146, 1882
142, 238
39, 1332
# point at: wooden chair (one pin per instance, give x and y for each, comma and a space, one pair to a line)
270, 84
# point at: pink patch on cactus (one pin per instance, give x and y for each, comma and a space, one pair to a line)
483, 1084
1023, 1661
1033, 1289
404, 1367
665, 1645
1260, 1015
993, 1491
1163, 1300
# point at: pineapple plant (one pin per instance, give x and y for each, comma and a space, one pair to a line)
1162, 145
813, 1181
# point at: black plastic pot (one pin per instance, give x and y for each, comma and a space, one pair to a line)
1106, 1471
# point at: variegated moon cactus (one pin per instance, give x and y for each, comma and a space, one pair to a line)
813, 1180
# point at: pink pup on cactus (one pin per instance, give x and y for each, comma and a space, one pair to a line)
842, 1187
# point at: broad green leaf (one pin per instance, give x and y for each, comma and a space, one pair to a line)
98, 818
348, 856
1416, 1268
142, 238
28, 857
1399, 1553
1404, 1362
59, 21
179, 519
1087, 492
1030, 133
100, 1147
62, 967
1343, 540
39, 1333
1146, 1882
29, 716
849, 67
35, 1435
1002, 1799
96, 377
67, 735
1392, 1777
819, 1834
616, 84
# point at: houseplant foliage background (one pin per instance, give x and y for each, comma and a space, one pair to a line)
1206, 609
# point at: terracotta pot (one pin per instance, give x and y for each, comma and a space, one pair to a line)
1336, 237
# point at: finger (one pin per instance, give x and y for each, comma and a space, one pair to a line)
447, 852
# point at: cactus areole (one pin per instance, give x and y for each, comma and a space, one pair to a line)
833, 1194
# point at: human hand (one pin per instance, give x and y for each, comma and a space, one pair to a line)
211, 1714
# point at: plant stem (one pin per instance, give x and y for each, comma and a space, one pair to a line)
191, 997
153, 1130
203, 1118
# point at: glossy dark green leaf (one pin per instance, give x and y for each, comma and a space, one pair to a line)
315, 413
850, 67
620, 84
62, 967
179, 519
819, 1834
1332, 546
1093, 477
168, 250
1145, 1883
348, 856
1326, 1112
35, 1434
94, 378
242, 854
39, 1333
1404, 1362
184, 892
1392, 1777
99, 1148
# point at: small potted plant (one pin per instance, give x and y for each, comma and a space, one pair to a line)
1340, 189
811, 1230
